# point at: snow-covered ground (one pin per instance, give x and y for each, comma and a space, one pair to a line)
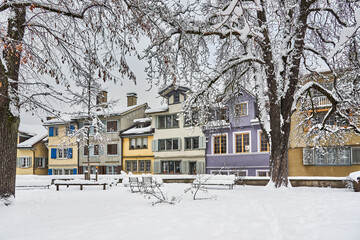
243, 213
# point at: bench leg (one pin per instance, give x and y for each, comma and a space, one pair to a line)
104, 187
81, 187
57, 187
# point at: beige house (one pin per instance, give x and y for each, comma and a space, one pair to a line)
32, 154
179, 147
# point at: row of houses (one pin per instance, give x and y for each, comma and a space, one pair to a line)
166, 140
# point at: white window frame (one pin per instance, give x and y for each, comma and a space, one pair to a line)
57, 169
26, 160
43, 161
64, 153
172, 144
234, 142
267, 172
247, 109
213, 146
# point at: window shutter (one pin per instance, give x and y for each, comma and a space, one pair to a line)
30, 161
154, 145
51, 131
50, 171
185, 167
157, 122
156, 167
200, 167
72, 128
74, 171
53, 153
179, 144
202, 142
17, 162
308, 156
69, 153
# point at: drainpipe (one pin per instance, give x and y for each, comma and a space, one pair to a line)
33, 150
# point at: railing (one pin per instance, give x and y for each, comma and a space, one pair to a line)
321, 101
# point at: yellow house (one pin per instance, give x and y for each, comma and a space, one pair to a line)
334, 155
137, 155
63, 147
32, 154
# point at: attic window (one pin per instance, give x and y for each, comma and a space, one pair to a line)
176, 98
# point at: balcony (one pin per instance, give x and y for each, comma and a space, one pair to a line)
321, 101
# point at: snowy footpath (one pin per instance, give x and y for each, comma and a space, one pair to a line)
242, 213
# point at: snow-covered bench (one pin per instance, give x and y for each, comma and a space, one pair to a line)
80, 183
221, 180
141, 183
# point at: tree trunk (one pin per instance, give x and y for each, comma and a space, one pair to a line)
9, 101
8, 138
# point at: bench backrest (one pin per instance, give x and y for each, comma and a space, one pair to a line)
147, 180
133, 179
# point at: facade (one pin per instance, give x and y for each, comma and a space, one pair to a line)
107, 155
235, 143
62, 147
138, 156
32, 154
179, 148
335, 155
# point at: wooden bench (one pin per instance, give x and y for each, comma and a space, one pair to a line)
34, 186
221, 180
80, 184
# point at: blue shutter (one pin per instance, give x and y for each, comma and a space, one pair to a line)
72, 128
51, 131
69, 153
74, 171
50, 171
53, 153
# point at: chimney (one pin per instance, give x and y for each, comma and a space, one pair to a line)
131, 99
101, 99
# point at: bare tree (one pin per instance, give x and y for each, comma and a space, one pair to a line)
41, 43
218, 47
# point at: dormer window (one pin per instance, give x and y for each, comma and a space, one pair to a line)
176, 98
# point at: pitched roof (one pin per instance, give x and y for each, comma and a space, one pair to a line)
32, 141
167, 89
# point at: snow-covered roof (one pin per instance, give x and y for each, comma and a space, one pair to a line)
31, 130
167, 89
32, 141
66, 118
216, 124
142, 120
136, 130
158, 109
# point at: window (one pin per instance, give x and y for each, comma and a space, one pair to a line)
137, 143
168, 121
169, 144
356, 155
111, 126
57, 171
68, 171
220, 144
138, 165
191, 119
176, 98
40, 162
331, 156
263, 173
148, 166
223, 114
53, 131
131, 165
241, 109
62, 153
92, 169
70, 129
192, 143
112, 149
242, 143
111, 170
25, 162
264, 145
170, 167
94, 150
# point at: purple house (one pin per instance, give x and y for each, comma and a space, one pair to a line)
235, 142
